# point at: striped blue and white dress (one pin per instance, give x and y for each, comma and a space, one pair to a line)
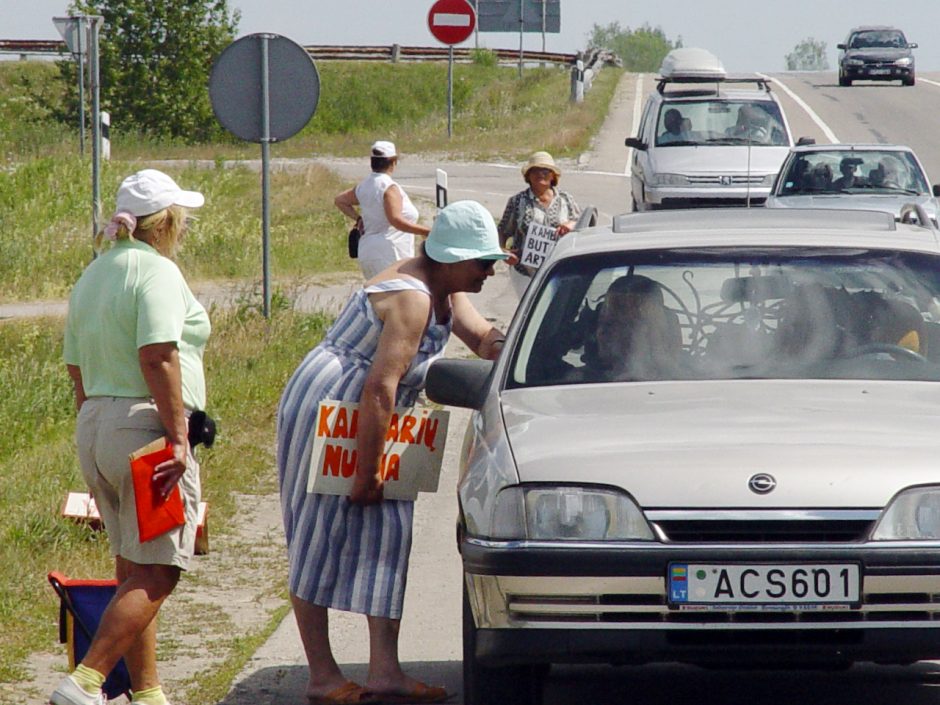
345, 556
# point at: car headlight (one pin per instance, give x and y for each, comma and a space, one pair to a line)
854, 62
568, 513
906, 61
912, 515
670, 180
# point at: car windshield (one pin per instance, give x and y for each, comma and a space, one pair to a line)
733, 313
878, 38
859, 172
713, 122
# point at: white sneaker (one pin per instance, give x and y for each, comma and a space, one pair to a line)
68, 692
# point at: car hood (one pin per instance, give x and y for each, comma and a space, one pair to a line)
870, 202
878, 54
679, 444
718, 160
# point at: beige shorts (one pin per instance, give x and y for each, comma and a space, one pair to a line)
109, 429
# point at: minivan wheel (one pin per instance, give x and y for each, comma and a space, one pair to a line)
487, 685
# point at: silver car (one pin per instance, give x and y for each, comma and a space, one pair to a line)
712, 437
857, 176
706, 138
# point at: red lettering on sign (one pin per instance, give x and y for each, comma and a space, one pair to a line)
323, 427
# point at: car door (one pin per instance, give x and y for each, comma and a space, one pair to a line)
639, 161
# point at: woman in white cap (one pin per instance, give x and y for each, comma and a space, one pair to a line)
377, 354
541, 203
134, 342
387, 219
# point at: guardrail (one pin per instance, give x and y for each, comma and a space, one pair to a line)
391, 53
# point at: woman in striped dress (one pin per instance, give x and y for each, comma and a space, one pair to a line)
352, 553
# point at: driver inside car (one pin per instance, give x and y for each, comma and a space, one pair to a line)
636, 338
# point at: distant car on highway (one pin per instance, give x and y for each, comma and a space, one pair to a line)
876, 53
706, 138
711, 437
854, 176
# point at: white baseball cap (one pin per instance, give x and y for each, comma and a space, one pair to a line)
149, 191
383, 148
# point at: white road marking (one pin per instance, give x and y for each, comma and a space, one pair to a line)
927, 80
830, 135
636, 119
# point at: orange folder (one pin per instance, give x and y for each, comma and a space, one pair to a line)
155, 515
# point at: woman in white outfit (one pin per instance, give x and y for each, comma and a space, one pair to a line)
388, 220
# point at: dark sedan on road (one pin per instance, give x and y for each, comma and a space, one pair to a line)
876, 54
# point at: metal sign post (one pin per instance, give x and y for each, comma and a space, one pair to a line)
74, 33
451, 22
95, 86
264, 88
441, 188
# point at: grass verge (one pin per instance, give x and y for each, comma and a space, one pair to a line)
247, 364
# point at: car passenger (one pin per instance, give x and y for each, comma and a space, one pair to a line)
820, 178
885, 175
678, 128
848, 178
637, 337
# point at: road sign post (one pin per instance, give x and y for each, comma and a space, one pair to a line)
264, 88
451, 22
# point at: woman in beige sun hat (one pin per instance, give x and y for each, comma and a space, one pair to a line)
541, 203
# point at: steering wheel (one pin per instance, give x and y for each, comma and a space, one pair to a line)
897, 351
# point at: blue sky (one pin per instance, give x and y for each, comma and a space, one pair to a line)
747, 36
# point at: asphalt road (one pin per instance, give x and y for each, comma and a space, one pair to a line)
431, 641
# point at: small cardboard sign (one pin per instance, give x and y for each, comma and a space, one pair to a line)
539, 243
411, 462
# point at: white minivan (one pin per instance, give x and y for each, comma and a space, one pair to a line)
706, 138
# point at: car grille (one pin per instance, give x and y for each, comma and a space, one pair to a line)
716, 180
763, 531
652, 611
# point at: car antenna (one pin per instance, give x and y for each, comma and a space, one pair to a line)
747, 192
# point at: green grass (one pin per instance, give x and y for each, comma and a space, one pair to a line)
248, 361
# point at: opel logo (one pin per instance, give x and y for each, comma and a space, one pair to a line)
762, 483
724, 180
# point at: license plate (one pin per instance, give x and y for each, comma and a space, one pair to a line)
764, 584
879, 72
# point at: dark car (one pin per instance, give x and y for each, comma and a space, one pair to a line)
876, 54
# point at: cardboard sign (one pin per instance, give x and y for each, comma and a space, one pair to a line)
411, 462
539, 243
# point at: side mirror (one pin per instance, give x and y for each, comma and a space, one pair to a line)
459, 382
936, 190
840, 46
587, 219
912, 45
805, 140
636, 143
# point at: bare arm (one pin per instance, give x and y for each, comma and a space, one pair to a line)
483, 338
160, 366
392, 202
75, 373
405, 316
345, 202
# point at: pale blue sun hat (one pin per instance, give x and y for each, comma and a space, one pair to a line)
463, 230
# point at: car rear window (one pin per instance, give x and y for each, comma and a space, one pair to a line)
732, 313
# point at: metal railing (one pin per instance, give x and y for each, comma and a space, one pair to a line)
391, 53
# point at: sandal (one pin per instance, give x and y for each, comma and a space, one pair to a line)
421, 693
349, 693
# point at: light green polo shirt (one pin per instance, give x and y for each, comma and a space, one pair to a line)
129, 297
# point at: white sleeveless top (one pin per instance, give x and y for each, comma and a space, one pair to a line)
381, 243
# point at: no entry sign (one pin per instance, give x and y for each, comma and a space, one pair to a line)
451, 21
